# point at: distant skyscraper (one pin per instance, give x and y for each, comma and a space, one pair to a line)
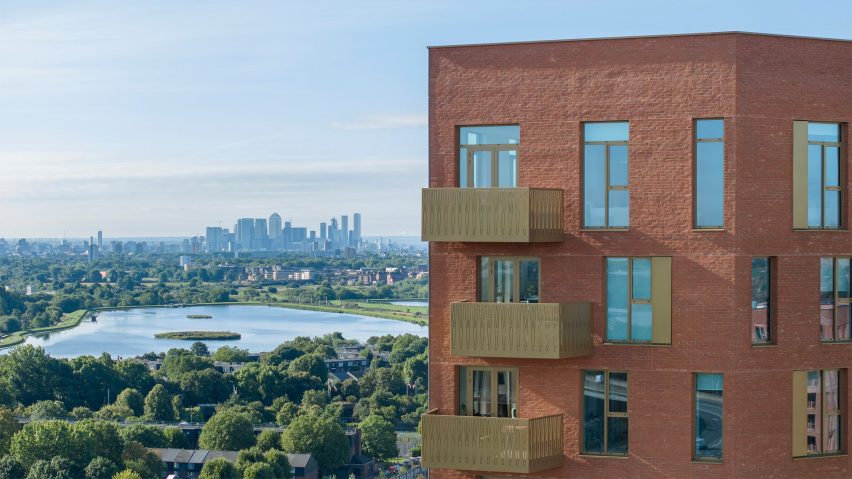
91, 249
214, 239
100, 241
260, 234
344, 230
323, 232
274, 227
356, 229
244, 233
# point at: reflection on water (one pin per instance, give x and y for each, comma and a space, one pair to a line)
131, 332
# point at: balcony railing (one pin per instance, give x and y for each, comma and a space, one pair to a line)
496, 215
521, 330
492, 444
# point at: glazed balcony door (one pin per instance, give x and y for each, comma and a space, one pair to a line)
493, 166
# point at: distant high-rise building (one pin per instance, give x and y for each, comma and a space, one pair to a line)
244, 233
274, 227
91, 249
214, 239
100, 241
260, 236
344, 230
323, 232
356, 229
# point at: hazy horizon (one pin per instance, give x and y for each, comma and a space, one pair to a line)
160, 118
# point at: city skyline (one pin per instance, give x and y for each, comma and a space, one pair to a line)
135, 117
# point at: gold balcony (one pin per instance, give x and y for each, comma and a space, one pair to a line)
492, 444
521, 330
492, 215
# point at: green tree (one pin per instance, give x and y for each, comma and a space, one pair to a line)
312, 364
314, 397
378, 438
199, 349
158, 404
319, 435
132, 399
100, 468
180, 361
8, 428
247, 457
279, 462
259, 470
218, 468
148, 436
230, 354
127, 474
113, 412
176, 438
42, 440
81, 412
46, 410
57, 467
227, 431
268, 439
140, 460
205, 386
100, 438
135, 375
10, 468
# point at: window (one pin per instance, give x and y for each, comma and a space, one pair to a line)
761, 311
606, 200
638, 300
488, 156
605, 412
817, 175
509, 280
709, 173
488, 392
834, 299
708, 416
817, 412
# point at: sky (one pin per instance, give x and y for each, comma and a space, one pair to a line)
159, 118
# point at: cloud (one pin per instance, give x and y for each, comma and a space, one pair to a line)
383, 122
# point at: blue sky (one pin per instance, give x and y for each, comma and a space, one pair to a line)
160, 117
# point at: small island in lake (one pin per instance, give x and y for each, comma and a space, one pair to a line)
199, 335
199, 316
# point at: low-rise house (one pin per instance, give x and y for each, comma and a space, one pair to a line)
187, 463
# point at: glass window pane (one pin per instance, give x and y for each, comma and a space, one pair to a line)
482, 393
641, 323
709, 129
831, 381
618, 165
594, 186
842, 277
529, 282
616, 299
594, 415
606, 131
814, 186
464, 408
814, 411
482, 169
826, 299
709, 184
463, 168
831, 435
760, 300
842, 322
708, 416
507, 402
832, 166
642, 278
503, 282
618, 392
832, 209
617, 435
829, 132
485, 280
490, 135
507, 168
619, 209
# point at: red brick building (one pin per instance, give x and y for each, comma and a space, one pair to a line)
639, 258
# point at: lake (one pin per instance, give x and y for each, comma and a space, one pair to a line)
130, 332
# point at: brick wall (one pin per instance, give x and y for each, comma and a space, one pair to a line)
759, 84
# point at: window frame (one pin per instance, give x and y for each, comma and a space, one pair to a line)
770, 304
608, 181
837, 300
465, 374
630, 300
607, 413
493, 147
841, 177
695, 142
695, 458
516, 277
823, 415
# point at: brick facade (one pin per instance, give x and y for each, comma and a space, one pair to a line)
759, 84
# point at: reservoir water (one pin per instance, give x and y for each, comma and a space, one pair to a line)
126, 333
